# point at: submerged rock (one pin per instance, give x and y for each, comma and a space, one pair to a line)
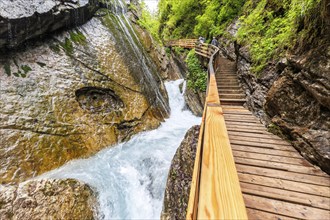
179, 177
70, 96
48, 199
21, 20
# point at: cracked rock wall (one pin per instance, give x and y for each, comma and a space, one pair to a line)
45, 122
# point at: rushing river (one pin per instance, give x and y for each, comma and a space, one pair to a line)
130, 177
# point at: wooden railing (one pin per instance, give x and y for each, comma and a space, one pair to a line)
215, 191
185, 43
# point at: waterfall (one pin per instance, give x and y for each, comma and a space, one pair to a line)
129, 41
130, 178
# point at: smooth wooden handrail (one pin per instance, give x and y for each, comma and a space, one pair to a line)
215, 191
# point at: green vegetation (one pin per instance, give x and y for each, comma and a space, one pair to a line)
149, 22
7, 69
270, 27
21, 71
78, 37
55, 47
26, 69
177, 18
267, 27
197, 77
216, 16
178, 50
191, 18
67, 46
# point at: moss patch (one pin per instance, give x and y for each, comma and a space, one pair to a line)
26, 68
67, 46
22, 70
7, 69
77, 37
55, 48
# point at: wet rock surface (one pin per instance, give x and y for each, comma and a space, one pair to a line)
98, 99
21, 20
179, 178
166, 65
195, 101
48, 199
48, 114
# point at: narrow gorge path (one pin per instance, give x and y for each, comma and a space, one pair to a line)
276, 181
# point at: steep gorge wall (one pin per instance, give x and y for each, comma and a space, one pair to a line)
74, 93
21, 20
291, 95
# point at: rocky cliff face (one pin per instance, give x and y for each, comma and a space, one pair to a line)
21, 20
291, 96
195, 101
179, 177
166, 65
48, 199
74, 93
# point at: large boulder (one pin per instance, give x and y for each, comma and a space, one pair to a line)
70, 96
179, 177
21, 20
48, 199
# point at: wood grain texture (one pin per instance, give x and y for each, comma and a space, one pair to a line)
194, 187
212, 93
215, 191
220, 193
276, 181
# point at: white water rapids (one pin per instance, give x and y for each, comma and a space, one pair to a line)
130, 177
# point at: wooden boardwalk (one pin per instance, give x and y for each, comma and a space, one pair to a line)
276, 181
238, 161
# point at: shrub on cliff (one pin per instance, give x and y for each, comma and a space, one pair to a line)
270, 27
197, 76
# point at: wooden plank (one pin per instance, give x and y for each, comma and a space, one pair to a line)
220, 193
266, 151
202, 54
212, 95
237, 108
306, 188
275, 158
249, 134
297, 177
238, 113
242, 121
286, 195
262, 145
263, 141
285, 208
255, 214
194, 186
246, 130
241, 118
246, 124
280, 166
